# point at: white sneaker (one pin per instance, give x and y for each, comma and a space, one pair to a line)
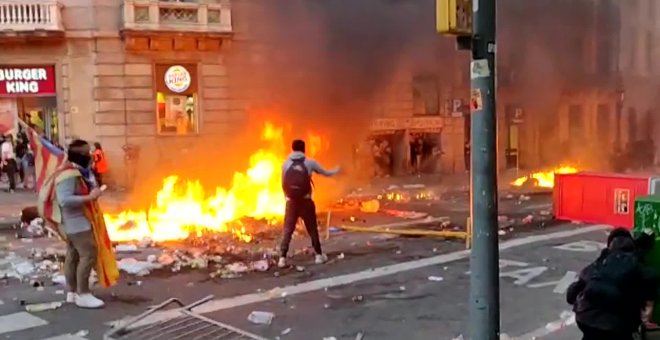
281, 262
88, 301
71, 297
321, 259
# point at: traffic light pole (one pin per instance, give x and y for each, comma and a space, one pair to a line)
484, 260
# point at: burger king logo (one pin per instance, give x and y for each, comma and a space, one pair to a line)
177, 79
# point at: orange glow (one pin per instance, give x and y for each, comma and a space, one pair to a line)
183, 208
545, 179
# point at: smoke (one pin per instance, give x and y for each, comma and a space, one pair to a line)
552, 49
325, 64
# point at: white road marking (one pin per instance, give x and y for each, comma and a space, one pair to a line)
549, 328
310, 286
19, 321
66, 337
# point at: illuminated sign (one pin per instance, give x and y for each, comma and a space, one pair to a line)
177, 79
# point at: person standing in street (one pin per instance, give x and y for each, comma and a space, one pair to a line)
68, 199
100, 165
9, 161
297, 186
612, 293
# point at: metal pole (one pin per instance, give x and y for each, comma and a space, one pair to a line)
484, 259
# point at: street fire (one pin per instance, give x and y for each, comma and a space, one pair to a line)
183, 208
544, 179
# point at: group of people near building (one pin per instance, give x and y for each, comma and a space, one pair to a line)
614, 296
18, 161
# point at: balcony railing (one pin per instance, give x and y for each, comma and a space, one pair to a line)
152, 15
30, 15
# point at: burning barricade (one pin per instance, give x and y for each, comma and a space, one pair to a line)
543, 179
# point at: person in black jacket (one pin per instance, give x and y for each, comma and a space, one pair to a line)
610, 294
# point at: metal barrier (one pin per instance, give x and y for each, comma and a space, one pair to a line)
397, 229
187, 326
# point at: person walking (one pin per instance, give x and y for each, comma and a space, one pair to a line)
68, 199
297, 186
100, 165
8, 161
612, 292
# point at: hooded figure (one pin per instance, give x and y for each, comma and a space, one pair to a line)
611, 292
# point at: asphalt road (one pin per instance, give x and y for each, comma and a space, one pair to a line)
382, 287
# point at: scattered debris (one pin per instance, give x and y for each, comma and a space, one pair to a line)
261, 318
58, 279
82, 333
436, 278
359, 336
524, 198
340, 256
501, 232
135, 267
126, 248
40, 307
528, 219
237, 267
329, 338
261, 265
300, 268
286, 331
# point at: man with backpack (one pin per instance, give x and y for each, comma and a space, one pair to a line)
297, 186
611, 293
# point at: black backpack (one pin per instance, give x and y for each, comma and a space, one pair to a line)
297, 183
612, 280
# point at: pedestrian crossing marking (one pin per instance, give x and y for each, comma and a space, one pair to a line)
66, 337
19, 321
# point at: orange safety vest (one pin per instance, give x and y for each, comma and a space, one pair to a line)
100, 163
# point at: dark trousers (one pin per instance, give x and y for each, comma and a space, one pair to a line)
10, 169
590, 333
306, 210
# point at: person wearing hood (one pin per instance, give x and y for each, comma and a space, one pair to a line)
297, 186
611, 293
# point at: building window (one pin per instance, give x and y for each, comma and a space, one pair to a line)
603, 123
177, 110
575, 123
426, 99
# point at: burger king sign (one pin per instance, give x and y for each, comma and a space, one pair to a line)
177, 79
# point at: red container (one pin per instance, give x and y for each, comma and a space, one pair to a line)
598, 197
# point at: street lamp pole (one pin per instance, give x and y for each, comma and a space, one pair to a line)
484, 259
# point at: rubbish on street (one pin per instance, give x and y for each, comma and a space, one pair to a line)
329, 338
24, 268
261, 318
359, 336
528, 219
82, 333
58, 279
126, 248
435, 278
286, 331
300, 268
135, 267
237, 267
40, 307
261, 265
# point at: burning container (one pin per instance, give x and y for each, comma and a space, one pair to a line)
600, 197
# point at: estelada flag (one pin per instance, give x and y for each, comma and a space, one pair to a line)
47, 157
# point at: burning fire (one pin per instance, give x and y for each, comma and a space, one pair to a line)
184, 208
544, 179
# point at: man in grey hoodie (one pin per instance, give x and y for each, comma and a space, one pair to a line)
297, 186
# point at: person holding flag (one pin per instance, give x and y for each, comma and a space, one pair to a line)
67, 200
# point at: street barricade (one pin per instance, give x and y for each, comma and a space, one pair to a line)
600, 197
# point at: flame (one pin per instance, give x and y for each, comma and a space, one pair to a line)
545, 179
183, 208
